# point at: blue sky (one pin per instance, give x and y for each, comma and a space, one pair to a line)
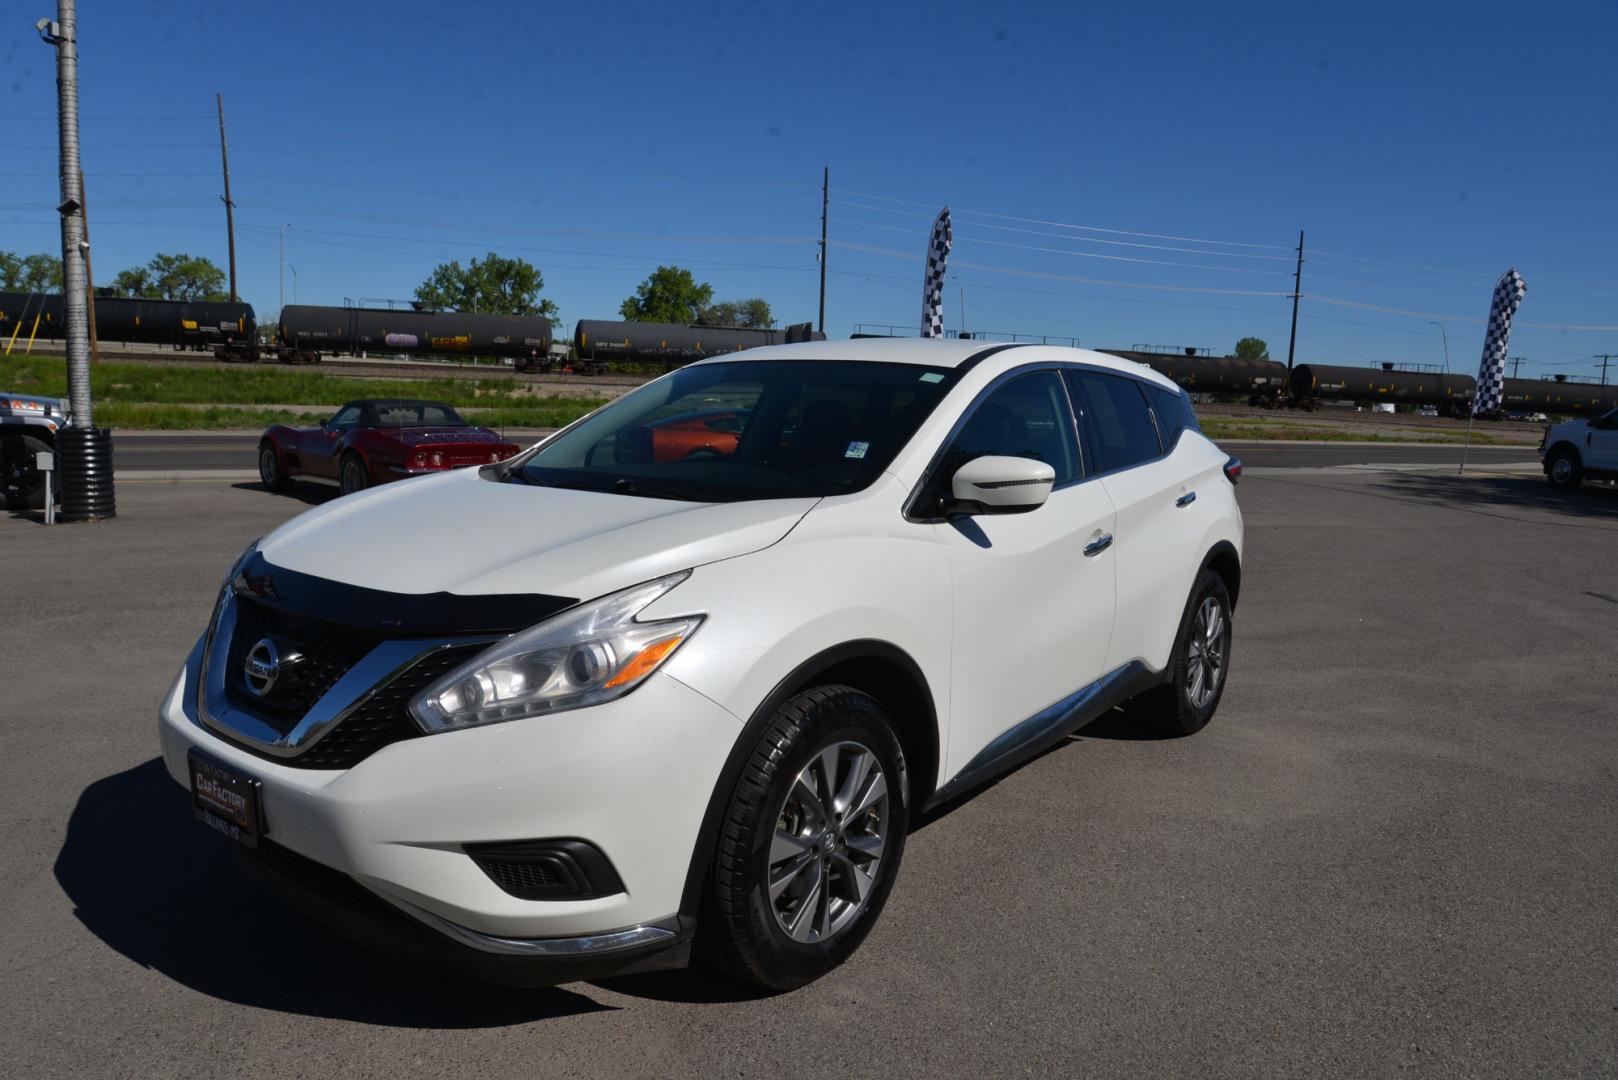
1424, 147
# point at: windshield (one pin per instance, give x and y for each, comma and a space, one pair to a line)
415, 414
747, 430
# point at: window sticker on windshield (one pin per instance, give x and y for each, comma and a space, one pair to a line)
932, 376
856, 449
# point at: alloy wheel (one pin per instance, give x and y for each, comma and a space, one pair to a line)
353, 477
266, 465
828, 841
1561, 470
1205, 653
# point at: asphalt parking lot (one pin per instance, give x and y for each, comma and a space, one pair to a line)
1394, 849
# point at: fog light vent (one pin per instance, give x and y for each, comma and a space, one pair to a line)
547, 869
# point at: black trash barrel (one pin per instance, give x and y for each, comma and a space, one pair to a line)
84, 469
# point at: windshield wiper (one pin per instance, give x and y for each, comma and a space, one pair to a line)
630, 485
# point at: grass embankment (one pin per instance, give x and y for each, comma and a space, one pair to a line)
136, 396
1217, 429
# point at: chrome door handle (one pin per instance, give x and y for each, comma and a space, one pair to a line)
1096, 547
1187, 499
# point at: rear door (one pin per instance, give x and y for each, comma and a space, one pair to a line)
1033, 612
1133, 430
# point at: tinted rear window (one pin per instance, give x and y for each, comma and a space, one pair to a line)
1119, 421
1174, 413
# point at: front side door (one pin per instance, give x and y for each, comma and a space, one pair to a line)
1032, 611
1601, 448
322, 446
1160, 522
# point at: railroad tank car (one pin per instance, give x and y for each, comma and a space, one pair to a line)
200, 324
1554, 395
1261, 380
597, 342
1450, 393
306, 331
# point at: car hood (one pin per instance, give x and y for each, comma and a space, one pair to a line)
459, 532
31, 403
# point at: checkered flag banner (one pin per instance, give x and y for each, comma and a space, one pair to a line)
932, 282
1508, 294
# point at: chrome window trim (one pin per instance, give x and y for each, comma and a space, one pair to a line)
1152, 409
358, 685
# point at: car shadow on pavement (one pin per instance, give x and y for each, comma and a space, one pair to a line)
149, 881
313, 494
1485, 493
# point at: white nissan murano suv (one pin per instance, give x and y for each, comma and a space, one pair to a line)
680, 676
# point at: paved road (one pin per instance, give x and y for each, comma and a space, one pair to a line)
1392, 852
169, 451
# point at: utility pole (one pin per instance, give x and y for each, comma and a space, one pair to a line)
1604, 357
1297, 291
825, 204
85, 451
1516, 364
230, 207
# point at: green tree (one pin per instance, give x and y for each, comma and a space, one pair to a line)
1252, 348
30, 273
752, 313
186, 277
670, 295
136, 281
492, 284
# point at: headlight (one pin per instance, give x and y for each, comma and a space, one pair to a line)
586, 656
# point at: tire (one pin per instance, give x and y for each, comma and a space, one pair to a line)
270, 471
770, 828
1184, 704
351, 474
1564, 469
21, 482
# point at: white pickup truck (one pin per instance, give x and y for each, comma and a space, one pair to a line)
1578, 450
28, 425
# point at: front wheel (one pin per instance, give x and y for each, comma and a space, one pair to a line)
270, 472
21, 482
811, 841
1563, 469
1197, 668
351, 476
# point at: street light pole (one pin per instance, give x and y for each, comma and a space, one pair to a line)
85, 451
284, 229
1441, 330
294, 270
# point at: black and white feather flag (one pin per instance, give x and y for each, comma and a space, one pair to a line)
932, 282
1508, 295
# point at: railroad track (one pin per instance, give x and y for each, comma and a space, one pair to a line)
372, 369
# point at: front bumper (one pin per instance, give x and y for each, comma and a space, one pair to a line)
633, 777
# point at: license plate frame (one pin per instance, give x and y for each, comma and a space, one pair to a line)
226, 801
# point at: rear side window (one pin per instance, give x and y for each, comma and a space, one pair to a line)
1118, 418
1174, 413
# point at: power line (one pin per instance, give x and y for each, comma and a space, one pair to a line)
1065, 224
1058, 277
1068, 251
1456, 318
1062, 236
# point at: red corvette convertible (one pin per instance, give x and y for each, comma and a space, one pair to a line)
372, 442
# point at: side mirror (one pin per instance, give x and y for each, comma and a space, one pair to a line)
1001, 485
